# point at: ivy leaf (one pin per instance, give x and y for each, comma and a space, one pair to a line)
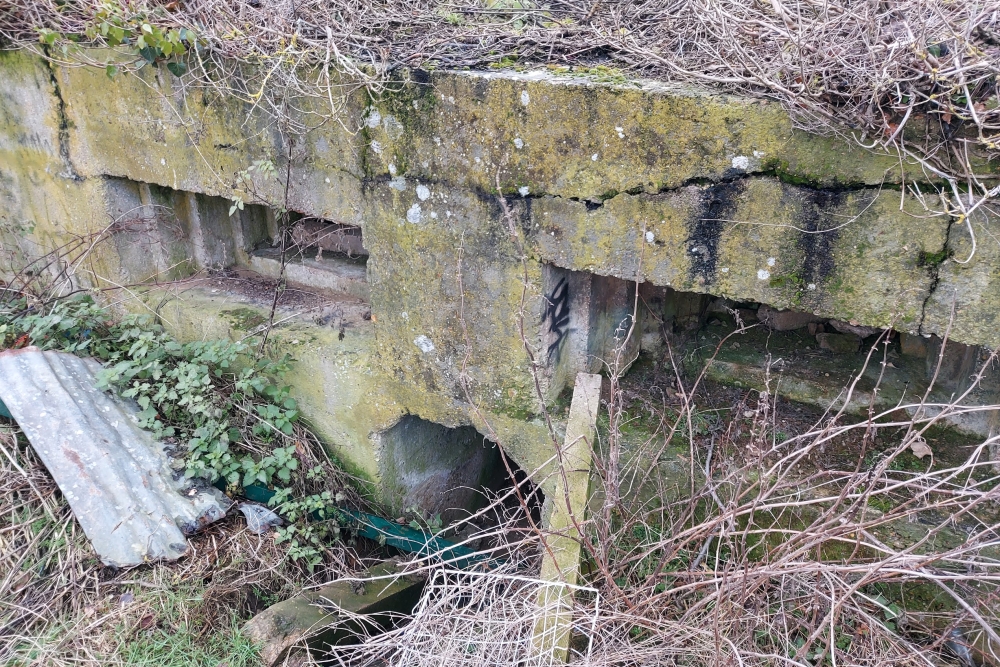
148, 53
111, 71
178, 70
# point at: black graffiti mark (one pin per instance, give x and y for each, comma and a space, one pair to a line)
557, 312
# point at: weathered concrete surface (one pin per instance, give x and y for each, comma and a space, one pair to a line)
352, 404
317, 617
439, 471
570, 137
43, 201
333, 274
336, 382
704, 193
966, 298
851, 255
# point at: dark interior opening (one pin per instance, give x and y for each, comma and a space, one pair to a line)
454, 478
316, 238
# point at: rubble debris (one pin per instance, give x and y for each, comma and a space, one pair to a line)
259, 518
118, 480
786, 320
330, 236
335, 614
839, 343
854, 328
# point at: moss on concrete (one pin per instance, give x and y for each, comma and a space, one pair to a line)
543, 132
851, 255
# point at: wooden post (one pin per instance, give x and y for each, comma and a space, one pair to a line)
561, 559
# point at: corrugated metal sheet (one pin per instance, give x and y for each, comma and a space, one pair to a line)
133, 507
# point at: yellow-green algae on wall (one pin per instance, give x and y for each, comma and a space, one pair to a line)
415, 271
697, 191
574, 138
966, 300
39, 189
340, 384
851, 255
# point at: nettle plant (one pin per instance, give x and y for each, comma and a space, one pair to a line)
217, 400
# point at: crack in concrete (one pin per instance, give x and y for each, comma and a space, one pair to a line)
936, 275
69, 171
594, 202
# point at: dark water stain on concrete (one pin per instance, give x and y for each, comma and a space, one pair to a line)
820, 231
718, 204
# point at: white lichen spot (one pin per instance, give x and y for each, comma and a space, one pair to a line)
621, 132
374, 118
519, 142
763, 274
398, 183
525, 98
423, 192
811, 286
593, 158
425, 164
424, 343
724, 269
478, 160
405, 315
414, 214
392, 127
451, 100
377, 147
770, 261
416, 104
523, 190
758, 154
650, 237
437, 141
392, 169
741, 162
163, 161
327, 179
434, 215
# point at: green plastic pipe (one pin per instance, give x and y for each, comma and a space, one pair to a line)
391, 533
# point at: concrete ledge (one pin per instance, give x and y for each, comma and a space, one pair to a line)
331, 273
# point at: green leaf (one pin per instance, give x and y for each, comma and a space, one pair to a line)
48, 37
178, 70
111, 71
148, 53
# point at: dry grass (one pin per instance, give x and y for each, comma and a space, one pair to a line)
743, 550
60, 606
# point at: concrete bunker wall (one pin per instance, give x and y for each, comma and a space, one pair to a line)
437, 470
604, 186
